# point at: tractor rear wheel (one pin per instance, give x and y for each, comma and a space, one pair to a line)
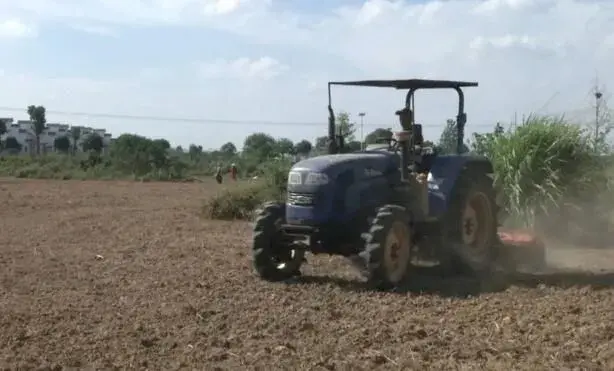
387, 249
274, 260
472, 238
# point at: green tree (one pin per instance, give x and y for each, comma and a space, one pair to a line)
345, 127
229, 149
284, 146
75, 133
162, 143
321, 144
12, 143
447, 140
38, 119
482, 143
179, 149
62, 144
93, 142
130, 153
259, 145
303, 147
195, 152
378, 136
499, 129
158, 154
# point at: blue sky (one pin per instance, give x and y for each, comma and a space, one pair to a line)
269, 60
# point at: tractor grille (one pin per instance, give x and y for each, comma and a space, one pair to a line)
301, 199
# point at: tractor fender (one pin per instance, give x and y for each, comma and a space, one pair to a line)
445, 171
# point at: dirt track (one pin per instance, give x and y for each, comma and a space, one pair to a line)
170, 291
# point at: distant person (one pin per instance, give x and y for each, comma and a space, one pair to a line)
233, 172
218, 174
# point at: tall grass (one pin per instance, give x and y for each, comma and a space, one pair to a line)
543, 165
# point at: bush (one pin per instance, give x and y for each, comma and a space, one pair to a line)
93, 165
241, 201
236, 202
275, 174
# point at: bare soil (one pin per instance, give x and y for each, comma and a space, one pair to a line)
121, 275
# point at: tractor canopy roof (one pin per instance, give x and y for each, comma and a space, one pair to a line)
411, 85
408, 84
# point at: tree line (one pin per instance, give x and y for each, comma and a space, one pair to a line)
138, 155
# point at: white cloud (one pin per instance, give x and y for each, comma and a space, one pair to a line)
15, 28
521, 51
221, 6
149, 12
506, 41
368, 13
491, 7
95, 29
263, 68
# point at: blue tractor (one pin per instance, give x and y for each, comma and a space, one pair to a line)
385, 207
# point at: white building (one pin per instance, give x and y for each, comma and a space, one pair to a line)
23, 131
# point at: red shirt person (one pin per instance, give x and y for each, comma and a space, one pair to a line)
233, 171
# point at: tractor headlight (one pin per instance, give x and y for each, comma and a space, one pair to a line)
294, 178
316, 179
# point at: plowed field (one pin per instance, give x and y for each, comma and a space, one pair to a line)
121, 275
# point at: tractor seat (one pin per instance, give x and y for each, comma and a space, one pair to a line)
426, 163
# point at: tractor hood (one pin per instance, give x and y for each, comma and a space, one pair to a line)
314, 172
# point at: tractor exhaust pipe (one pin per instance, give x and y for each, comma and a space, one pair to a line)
333, 147
332, 137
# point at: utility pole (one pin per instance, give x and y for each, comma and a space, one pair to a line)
598, 96
602, 124
362, 134
598, 105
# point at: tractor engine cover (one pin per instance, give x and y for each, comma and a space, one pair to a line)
333, 188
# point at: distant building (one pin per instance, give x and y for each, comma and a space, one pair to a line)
23, 131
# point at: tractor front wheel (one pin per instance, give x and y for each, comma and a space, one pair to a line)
387, 250
273, 259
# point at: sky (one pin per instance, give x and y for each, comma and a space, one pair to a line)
212, 71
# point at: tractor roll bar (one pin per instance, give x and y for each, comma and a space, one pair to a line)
461, 116
412, 85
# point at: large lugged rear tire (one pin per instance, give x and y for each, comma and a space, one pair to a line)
387, 249
472, 219
272, 259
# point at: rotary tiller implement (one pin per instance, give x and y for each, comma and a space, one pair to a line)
520, 250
